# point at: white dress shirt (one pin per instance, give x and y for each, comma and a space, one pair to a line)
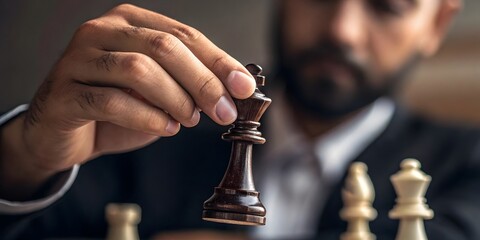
295, 175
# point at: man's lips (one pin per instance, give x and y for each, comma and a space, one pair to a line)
328, 69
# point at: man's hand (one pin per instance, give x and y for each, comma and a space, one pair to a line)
125, 79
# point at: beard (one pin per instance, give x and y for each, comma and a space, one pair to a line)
328, 82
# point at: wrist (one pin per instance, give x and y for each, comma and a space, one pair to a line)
20, 177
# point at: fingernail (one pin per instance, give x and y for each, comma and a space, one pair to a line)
225, 110
172, 126
240, 84
195, 117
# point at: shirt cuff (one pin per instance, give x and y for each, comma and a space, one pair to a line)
12, 114
56, 192
64, 184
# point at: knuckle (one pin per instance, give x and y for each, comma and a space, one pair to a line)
163, 44
98, 102
186, 33
207, 85
123, 8
106, 62
185, 107
110, 105
88, 100
89, 28
131, 31
152, 123
219, 63
137, 66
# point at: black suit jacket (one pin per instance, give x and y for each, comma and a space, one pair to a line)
171, 179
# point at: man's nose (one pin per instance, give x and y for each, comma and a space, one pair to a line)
348, 24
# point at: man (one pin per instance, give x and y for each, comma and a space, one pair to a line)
132, 75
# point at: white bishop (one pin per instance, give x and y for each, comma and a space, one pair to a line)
358, 195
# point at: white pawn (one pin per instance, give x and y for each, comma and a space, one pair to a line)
123, 220
358, 195
411, 184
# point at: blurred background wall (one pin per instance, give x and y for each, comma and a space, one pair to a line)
447, 86
34, 33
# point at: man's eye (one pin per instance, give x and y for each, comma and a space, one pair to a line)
395, 7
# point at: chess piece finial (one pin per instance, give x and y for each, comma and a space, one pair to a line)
235, 200
123, 220
358, 195
411, 184
256, 71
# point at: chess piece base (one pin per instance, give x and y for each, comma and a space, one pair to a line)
411, 229
234, 206
233, 218
358, 236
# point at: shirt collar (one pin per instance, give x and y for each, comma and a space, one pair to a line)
339, 147
336, 149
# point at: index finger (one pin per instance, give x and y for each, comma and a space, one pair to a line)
237, 80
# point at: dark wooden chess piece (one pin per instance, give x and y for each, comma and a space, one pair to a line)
235, 200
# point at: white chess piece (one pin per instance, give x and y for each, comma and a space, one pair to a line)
122, 220
358, 195
411, 184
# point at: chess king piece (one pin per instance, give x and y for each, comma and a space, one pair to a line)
235, 200
122, 220
358, 195
411, 184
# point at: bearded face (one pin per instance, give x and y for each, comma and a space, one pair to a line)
328, 82
337, 56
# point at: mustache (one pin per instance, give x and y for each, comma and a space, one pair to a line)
327, 51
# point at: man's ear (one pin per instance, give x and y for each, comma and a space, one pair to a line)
441, 23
